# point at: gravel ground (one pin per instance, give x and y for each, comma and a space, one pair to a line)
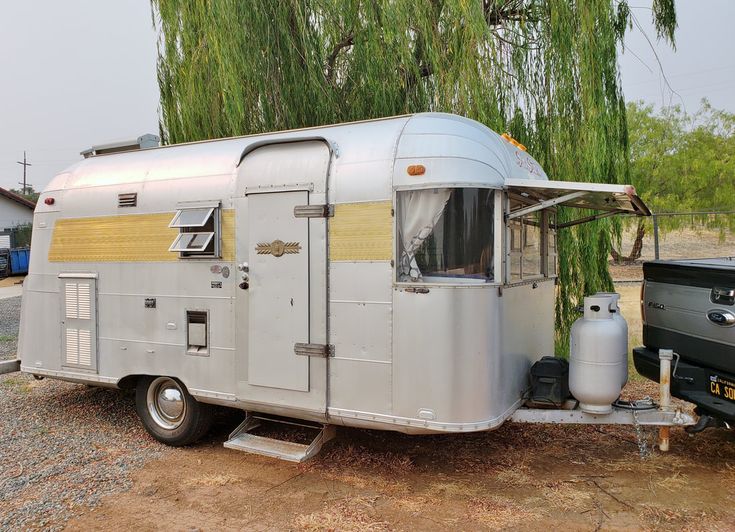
9, 322
62, 446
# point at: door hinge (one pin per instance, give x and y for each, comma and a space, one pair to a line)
314, 350
313, 211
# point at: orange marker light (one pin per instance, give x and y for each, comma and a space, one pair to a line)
416, 169
513, 141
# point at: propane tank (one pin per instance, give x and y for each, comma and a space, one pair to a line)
618, 317
596, 360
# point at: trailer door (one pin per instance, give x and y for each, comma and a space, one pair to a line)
282, 339
279, 290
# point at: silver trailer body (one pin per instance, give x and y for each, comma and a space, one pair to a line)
393, 274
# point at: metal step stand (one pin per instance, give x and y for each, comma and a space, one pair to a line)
241, 439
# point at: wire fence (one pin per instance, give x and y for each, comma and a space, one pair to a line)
673, 235
703, 222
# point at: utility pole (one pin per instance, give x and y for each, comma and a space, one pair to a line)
25, 165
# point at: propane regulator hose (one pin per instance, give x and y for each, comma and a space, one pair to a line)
641, 404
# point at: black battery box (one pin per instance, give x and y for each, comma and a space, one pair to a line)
549, 382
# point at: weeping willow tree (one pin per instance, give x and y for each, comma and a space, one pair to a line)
544, 70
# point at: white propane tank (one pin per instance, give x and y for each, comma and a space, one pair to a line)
596, 360
618, 317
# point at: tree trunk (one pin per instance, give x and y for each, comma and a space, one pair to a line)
635, 252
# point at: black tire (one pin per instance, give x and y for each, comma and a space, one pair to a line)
169, 413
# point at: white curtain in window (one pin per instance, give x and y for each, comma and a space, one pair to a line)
419, 211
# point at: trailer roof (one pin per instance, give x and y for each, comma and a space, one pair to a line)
432, 135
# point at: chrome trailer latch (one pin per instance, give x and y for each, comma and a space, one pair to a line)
314, 350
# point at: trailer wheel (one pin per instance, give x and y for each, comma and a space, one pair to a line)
169, 413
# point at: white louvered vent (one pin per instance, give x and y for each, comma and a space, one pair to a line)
84, 303
85, 348
79, 313
72, 346
71, 300
127, 200
78, 301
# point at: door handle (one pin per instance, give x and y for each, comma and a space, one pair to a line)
723, 295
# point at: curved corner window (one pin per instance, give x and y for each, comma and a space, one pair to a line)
445, 235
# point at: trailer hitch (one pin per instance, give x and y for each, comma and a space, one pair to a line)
706, 421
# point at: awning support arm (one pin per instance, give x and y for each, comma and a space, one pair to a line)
590, 218
544, 204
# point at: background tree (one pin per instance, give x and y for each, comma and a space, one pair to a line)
29, 193
546, 70
681, 163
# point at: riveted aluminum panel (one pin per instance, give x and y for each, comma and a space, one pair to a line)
446, 349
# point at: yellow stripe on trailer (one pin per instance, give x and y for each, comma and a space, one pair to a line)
126, 238
361, 232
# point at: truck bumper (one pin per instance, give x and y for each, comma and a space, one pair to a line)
691, 383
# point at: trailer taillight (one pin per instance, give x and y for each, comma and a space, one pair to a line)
49, 201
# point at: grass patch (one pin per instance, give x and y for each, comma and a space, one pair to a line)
7, 338
16, 383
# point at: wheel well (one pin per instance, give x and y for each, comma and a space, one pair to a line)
129, 381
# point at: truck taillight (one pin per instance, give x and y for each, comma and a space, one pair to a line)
643, 301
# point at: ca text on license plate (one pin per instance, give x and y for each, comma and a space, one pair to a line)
721, 387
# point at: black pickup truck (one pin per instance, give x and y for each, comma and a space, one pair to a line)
689, 306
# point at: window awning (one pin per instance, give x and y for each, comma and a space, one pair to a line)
609, 199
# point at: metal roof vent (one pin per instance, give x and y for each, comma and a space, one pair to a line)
144, 141
127, 200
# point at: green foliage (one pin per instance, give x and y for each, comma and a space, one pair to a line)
684, 163
544, 69
21, 235
664, 19
29, 193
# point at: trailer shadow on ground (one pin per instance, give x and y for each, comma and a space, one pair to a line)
518, 477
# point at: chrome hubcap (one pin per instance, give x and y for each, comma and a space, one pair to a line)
166, 403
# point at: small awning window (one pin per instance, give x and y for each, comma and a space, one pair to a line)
188, 242
609, 199
191, 217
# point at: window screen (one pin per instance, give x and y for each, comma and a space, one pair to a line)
191, 217
187, 242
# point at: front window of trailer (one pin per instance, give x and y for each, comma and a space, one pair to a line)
445, 235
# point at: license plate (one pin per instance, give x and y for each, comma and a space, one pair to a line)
722, 387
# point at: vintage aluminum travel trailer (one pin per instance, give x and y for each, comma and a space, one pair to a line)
393, 274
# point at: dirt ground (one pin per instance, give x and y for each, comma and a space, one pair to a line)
520, 477
11, 281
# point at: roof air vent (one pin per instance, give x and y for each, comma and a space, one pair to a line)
127, 200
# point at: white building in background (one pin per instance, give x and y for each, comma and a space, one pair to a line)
15, 210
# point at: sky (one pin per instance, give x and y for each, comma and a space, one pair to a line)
79, 73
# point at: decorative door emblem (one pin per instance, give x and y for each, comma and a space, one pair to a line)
277, 248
